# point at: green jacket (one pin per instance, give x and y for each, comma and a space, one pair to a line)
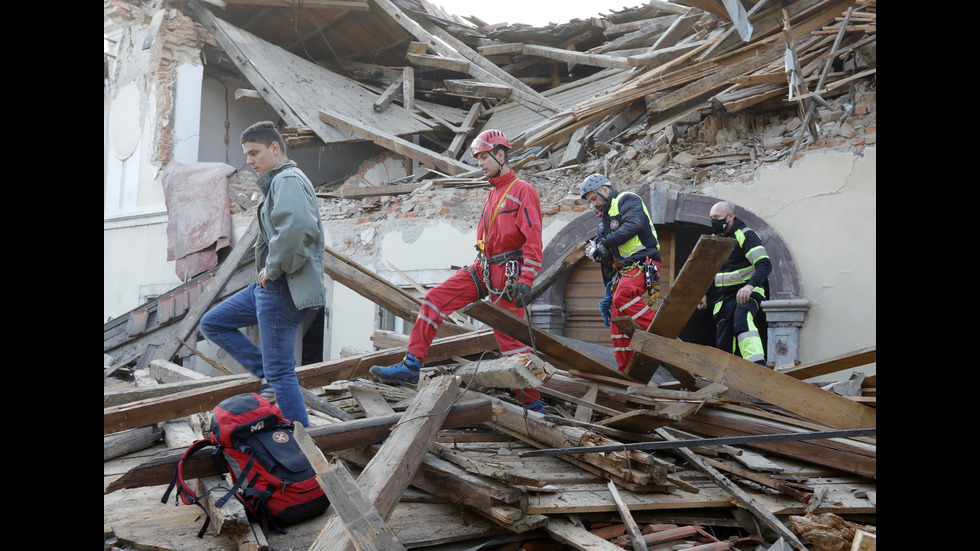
290, 241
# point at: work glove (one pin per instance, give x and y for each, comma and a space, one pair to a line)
522, 295
597, 250
605, 305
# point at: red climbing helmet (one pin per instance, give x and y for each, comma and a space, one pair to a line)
487, 141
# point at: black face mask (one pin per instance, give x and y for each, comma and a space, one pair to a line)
719, 225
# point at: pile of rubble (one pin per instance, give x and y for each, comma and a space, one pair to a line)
457, 461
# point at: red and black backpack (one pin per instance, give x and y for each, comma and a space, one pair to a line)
271, 476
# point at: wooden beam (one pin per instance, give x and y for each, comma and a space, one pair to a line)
580, 58
656, 58
468, 123
389, 473
546, 343
439, 62
442, 478
248, 70
388, 96
557, 269
497, 49
396, 144
214, 287
408, 88
693, 281
379, 291
376, 191
363, 523
849, 360
517, 371
473, 88
803, 399
636, 537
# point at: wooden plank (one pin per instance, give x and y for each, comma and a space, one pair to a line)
471, 117
498, 49
387, 476
476, 89
659, 57
640, 421
578, 538
557, 269
364, 525
408, 88
849, 360
636, 537
517, 371
348, 5
371, 401
387, 96
685, 293
394, 143
379, 291
580, 58
439, 62
757, 381
546, 343
375, 191
583, 412
214, 287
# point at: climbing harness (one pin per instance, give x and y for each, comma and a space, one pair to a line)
511, 261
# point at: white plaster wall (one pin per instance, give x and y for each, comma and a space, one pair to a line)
825, 210
351, 321
133, 255
187, 112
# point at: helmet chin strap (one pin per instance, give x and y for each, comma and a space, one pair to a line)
499, 166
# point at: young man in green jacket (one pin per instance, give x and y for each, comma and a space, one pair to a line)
289, 266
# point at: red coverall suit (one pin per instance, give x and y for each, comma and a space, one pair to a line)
511, 220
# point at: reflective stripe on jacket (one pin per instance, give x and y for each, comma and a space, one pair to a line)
748, 264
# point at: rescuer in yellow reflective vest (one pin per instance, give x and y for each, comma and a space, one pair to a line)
627, 247
740, 286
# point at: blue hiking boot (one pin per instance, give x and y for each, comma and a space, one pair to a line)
405, 372
535, 406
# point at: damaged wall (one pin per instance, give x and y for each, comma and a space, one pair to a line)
150, 111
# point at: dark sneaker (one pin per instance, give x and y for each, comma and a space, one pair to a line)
404, 373
535, 406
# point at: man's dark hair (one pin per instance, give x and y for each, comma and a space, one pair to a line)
264, 133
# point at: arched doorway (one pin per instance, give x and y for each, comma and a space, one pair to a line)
570, 307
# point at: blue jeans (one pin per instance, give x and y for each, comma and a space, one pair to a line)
278, 320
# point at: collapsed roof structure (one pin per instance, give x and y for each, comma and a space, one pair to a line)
638, 93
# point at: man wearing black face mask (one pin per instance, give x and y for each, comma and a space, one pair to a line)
740, 286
